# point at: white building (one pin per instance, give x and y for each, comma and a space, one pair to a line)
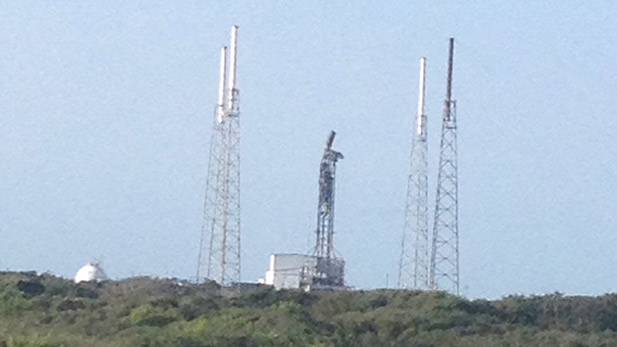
289, 271
299, 271
90, 272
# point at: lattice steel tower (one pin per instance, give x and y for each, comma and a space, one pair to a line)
444, 274
219, 246
414, 263
329, 268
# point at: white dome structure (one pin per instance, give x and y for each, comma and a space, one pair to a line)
89, 273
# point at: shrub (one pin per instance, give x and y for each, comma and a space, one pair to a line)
31, 341
152, 316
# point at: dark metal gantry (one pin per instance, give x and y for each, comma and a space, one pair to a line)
329, 271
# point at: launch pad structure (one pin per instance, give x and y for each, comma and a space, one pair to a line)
330, 270
420, 267
323, 269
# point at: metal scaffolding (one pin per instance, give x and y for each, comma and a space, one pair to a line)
329, 268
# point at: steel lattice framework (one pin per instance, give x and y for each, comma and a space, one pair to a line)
328, 273
414, 261
444, 273
219, 247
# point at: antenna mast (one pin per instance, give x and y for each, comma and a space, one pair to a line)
414, 262
444, 274
219, 246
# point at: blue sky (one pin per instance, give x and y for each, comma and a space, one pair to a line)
105, 114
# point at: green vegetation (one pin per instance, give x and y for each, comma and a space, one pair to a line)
46, 311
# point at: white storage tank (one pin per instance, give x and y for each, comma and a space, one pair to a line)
89, 273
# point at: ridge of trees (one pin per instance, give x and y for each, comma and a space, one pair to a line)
48, 311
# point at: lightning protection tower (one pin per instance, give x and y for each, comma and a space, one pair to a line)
330, 269
444, 274
219, 246
414, 262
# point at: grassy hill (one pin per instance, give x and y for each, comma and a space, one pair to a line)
49, 311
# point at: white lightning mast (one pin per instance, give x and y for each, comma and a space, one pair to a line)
414, 262
219, 247
444, 274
